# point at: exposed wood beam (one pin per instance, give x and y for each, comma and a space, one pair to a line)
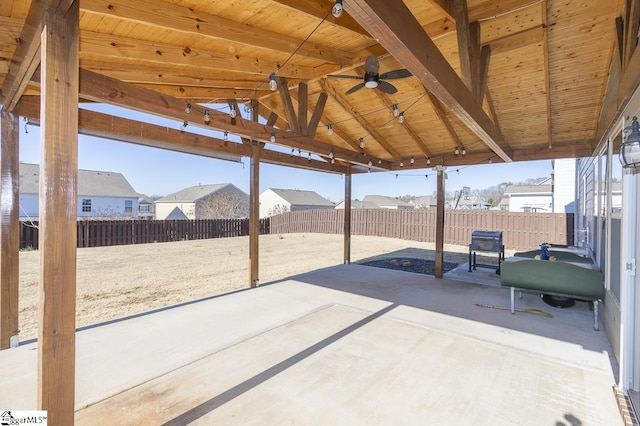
204, 94
303, 105
58, 215
26, 57
9, 229
629, 82
254, 203
285, 97
173, 17
124, 130
344, 104
398, 31
107, 45
631, 25
465, 51
442, 115
516, 40
485, 56
445, 7
620, 39
439, 255
347, 217
130, 71
99, 88
406, 126
317, 114
547, 75
320, 9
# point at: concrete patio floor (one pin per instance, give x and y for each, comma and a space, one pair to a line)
348, 344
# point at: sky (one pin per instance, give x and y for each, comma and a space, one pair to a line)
153, 171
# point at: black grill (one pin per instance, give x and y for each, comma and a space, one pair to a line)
485, 241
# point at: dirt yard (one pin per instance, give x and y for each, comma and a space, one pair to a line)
113, 282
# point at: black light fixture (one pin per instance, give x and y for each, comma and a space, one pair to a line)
630, 149
337, 9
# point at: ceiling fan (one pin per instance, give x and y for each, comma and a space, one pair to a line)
374, 80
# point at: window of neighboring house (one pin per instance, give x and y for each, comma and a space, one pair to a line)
143, 208
86, 205
128, 206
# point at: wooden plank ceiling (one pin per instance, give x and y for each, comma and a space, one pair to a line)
518, 80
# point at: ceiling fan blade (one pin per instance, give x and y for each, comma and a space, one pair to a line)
355, 88
371, 65
353, 77
391, 75
387, 87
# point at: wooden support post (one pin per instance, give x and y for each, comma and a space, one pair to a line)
9, 230
58, 213
347, 216
254, 204
440, 223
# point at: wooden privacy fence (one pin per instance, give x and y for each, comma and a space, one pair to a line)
521, 231
98, 233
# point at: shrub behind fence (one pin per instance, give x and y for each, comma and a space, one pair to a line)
98, 233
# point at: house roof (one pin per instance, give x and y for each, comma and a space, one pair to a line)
90, 182
194, 193
357, 204
383, 200
302, 198
176, 214
553, 61
527, 189
426, 200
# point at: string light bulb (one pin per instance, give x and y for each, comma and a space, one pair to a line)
362, 143
370, 163
292, 152
232, 111
207, 117
331, 154
273, 137
184, 125
309, 155
336, 10
329, 129
428, 160
464, 151
273, 84
401, 163
401, 117
456, 151
333, 161
187, 109
396, 111
412, 160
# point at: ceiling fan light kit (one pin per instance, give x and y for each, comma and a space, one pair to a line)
372, 79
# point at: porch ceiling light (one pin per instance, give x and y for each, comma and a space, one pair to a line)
630, 149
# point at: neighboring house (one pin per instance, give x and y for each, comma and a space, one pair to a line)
469, 203
218, 201
146, 209
384, 202
100, 194
528, 198
357, 204
274, 201
425, 202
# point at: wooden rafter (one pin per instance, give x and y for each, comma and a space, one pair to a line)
398, 31
125, 130
442, 116
631, 26
25, 59
289, 110
406, 126
320, 9
99, 88
107, 45
317, 114
372, 132
163, 15
547, 75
